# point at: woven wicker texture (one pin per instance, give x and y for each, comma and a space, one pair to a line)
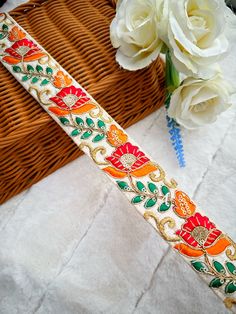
76, 34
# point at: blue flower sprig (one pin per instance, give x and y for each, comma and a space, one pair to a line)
172, 82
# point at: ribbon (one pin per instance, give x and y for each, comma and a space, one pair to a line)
207, 249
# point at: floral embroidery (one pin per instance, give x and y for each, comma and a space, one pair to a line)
128, 159
16, 34
23, 50
200, 235
71, 100
61, 80
183, 206
115, 136
143, 181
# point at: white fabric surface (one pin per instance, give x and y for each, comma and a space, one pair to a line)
73, 244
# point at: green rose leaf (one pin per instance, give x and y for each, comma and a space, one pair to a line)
35, 79
65, 121
49, 71
101, 125
79, 121
199, 266
123, 185
165, 190
75, 132
44, 82
140, 186
86, 135
2, 36
90, 122
16, 69
30, 68
230, 287
152, 187
5, 28
216, 283
25, 78
150, 202
231, 268
137, 199
164, 206
39, 69
219, 267
98, 138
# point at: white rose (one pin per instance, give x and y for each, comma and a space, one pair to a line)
134, 32
195, 35
198, 102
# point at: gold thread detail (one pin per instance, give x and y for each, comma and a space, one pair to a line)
99, 114
229, 302
229, 252
93, 153
160, 224
170, 222
40, 94
172, 184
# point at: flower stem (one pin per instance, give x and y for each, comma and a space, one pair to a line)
172, 75
137, 191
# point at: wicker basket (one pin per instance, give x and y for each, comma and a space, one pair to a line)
76, 34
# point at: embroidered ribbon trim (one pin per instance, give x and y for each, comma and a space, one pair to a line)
207, 249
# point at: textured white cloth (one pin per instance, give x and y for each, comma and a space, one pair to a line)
73, 243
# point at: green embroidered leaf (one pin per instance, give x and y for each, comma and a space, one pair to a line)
25, 78
5, 27
30, 68
2, 36
152, 187
219, 267
39, 69
150, 202
231, 268
216, 283
35, 79
75, 132
199, 266
98, 138
49, 71
123, 185
16, 69
164, 206
101, 125
165, 190
64, 121
44, 82
90, 122
140, 186
137, 199
86, 135
230, 287
79, 121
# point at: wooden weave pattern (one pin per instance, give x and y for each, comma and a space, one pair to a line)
76, 34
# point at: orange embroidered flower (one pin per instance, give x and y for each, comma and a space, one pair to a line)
23, 50
115, 136
128, 159
199, 235
61, 80
71, 100
183, 206
16, 34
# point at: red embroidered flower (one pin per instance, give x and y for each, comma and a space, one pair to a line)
71, 100
23, 50
127, 158
200, 235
